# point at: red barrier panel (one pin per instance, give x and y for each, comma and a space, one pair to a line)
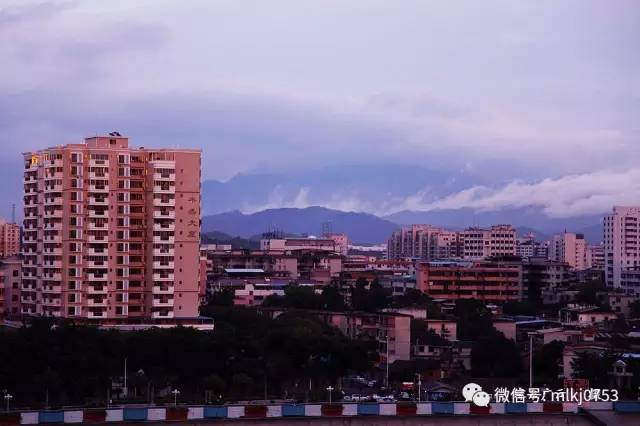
94, 416
404, 409
331, 409
474, 409
177, 413
255, 411
12, 419
552, 407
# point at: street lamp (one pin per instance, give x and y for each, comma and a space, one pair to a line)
419, 385
329, 389
8, 397
175, 393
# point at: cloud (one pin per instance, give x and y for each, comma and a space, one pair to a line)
568, 196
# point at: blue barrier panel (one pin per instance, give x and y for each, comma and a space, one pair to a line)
627, 406
515, 408
368, 410
293, 410
442, 407
134, 414
215, 412
51, 417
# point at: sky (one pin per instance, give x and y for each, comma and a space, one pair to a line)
542, 96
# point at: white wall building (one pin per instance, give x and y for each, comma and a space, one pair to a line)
621, 243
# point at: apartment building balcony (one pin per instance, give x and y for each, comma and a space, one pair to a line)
101, 264
163, 277
159, 289
162, 314
159, 303
97, 314
169, 227
57, 162
170, 189
99, 213
27, 300
101, 303
54, 264
52, 250
52, 201
53, 213
163, 252
159, 214
164, 176
30, 178
51, 302
97, 277
169, 202
56, 276
99, 188
157, 239
57, 238
92, 251
100, 289
94, 239
31, 189
95, 227
53, 226
163, 265
98, 163
53, 188
93, 201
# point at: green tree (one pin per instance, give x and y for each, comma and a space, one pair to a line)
493, 355
634, 309
593, 366
473, 319
588, 293
546, 362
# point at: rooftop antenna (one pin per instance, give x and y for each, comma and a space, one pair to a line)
13, 213
327, 228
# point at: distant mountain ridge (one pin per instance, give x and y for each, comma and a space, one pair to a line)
366, 228
360, 227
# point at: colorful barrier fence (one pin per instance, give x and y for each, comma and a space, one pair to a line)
137, 414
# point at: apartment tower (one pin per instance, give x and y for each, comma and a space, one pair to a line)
569, 248
111, 232
622, 247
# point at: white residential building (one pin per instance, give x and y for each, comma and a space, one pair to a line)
621, 243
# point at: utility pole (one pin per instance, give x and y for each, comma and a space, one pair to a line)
387, 365
530, 360
126, 390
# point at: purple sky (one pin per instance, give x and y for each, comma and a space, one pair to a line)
550, 90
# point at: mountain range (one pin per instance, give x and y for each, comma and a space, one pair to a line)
365, 228
367, 202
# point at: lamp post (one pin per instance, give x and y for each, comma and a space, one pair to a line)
8, 397
329, 389
175, 393
419, 385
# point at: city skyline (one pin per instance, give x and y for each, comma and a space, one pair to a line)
490, 91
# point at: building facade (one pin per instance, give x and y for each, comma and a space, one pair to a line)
486, 281
9, 239
569, 248
10, 281
621, 244
111, 231
481, 243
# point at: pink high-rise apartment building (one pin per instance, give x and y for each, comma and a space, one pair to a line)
111, 232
